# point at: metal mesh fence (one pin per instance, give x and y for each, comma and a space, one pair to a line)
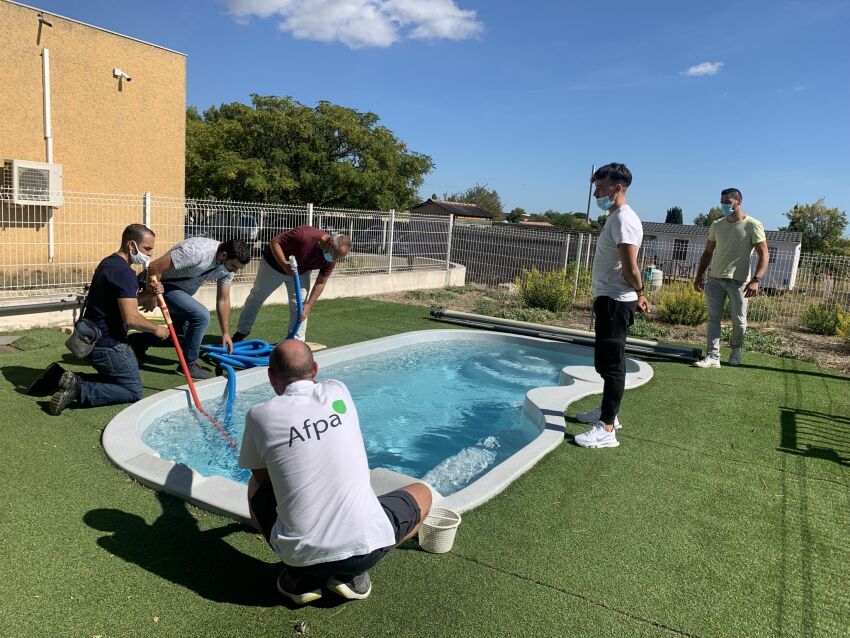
49, 251
46, 251
497, 255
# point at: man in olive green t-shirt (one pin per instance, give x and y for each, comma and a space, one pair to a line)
731, 241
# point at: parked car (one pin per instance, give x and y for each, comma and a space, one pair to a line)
221, 225
375, 239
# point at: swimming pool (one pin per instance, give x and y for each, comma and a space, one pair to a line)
444, 412
466, 411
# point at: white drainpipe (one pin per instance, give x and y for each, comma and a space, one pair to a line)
48, 139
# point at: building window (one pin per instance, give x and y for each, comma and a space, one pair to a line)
771, 250
680, 249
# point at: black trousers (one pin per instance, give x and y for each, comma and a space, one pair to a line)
613, 319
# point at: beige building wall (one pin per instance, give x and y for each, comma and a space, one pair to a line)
110, 137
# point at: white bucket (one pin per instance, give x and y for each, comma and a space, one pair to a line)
437, 534
657, 280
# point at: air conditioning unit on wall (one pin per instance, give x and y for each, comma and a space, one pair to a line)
33, 183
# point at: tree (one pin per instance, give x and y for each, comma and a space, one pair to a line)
516, 215
572, 221
674, 216
279, 150
822, 227
486, 199
707, 219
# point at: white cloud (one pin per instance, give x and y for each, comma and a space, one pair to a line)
705, 68
363, 23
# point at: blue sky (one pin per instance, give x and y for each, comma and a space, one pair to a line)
526, 96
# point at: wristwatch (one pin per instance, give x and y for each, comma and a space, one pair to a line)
756, 279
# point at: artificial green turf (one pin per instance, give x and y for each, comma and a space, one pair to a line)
723, 513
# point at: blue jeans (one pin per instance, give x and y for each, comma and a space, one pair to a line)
119, 370
190, 318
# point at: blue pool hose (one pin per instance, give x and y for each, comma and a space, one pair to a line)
251, 353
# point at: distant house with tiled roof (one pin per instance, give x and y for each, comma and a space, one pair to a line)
462, 212
537, 224
676, 249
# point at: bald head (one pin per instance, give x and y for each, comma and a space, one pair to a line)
290, 361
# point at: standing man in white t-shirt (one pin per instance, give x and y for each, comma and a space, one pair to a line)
618, 292
731, 241
309, 491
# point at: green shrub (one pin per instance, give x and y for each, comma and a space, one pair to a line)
822, 318
534, 315
434, 296
551, 291
680, 303
762, 309
584, 286
489, 307
643, 328
843, 328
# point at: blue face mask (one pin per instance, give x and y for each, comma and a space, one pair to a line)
328, 256
728, 208
604, 203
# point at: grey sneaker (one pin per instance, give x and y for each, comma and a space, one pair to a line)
736, 357
592, 416
68, 392
707, 362
198, 373
357, 588
290, 587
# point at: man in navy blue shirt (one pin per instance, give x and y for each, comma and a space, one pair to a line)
113, 305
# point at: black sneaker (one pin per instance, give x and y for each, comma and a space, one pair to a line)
47, 382
240, 336
290, 587
69, 391
198, 373
357, 588
139, 348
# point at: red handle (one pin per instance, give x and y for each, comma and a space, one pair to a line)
162, 306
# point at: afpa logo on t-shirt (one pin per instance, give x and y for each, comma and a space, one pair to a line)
319, 426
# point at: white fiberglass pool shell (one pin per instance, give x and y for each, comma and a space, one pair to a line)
543, 406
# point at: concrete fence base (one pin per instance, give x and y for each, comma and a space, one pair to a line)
338, 286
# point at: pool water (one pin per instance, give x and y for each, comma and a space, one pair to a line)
446, 412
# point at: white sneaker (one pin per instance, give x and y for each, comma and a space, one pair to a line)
592, 416
736, 356
707, 362
597, 437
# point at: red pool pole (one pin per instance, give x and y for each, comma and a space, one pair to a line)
160, 300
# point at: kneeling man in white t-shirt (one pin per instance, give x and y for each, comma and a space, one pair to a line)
310, 493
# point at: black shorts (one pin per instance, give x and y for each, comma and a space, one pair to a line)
399, 506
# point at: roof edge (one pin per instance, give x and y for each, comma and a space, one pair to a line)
86, 24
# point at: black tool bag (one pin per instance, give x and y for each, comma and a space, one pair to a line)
85, 335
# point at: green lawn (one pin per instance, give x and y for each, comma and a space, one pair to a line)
725, 512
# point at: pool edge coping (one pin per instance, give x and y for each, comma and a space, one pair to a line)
124, 447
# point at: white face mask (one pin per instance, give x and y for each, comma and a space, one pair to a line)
139, 257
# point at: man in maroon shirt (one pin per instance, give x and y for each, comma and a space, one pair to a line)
313, 249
